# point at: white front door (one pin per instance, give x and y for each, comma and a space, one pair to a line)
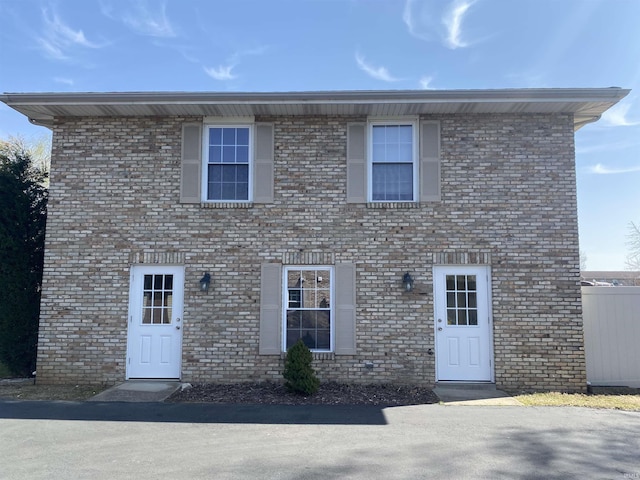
154, 347
462, 323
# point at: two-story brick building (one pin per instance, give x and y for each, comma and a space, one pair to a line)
405, 236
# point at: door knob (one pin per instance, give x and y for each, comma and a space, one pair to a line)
439, 329
178, 327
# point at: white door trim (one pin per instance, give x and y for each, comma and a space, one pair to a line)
163, 339
439, 278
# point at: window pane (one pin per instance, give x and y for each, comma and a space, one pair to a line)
378, 153
215, 173
309, 338
308, 319
146, 316
147, 282
405, 153
215, 136
323, 339
405, 134
473, 317
228, 191
471, 280
472, 300
157, 283
462, 300
460, 282
391, 153
392, 181
242, 173
292, 337
228, 173
242, 191
451, 300
294, 319
229, 136
293, 278
228, 154
242, 136
451, 284
168, 282
323, 320
215, 191
451, 317
215, 154
462, 317
166, 317
378, 135
242, 155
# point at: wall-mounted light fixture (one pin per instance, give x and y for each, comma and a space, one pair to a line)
407, 282
205, 281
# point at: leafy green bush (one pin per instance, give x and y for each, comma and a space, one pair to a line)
23, 213
299, 375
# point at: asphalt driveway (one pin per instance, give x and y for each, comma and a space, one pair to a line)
96, 440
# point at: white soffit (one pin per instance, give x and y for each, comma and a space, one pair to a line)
586, 104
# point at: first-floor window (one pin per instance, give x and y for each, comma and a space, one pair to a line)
308, 304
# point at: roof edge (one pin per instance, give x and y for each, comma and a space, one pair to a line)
338, 96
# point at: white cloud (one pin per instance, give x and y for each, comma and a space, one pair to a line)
600, 169
433, 19
453, 22
65, 81
413, 24
617, 116
57, 37
425, 83
223, 72
142, 18
379, 73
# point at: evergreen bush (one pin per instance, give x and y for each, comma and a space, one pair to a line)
298, 374
23, 213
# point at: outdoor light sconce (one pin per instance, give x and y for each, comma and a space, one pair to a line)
205, 281
407, 281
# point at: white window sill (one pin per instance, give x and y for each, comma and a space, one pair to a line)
317, 356
396, 205
217, 205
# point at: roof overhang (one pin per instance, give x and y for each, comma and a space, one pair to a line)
585, 104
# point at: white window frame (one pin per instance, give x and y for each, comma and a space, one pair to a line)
205, 158
414, 122
285, 303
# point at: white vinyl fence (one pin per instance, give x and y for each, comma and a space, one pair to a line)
612, 335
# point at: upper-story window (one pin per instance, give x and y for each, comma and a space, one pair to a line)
393, 161
227, 172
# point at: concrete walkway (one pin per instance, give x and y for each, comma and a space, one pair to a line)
473, 394
138, 391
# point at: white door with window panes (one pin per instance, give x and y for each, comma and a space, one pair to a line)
462, 323
308, 312
155, 322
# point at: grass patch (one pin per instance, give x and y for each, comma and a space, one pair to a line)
554, 399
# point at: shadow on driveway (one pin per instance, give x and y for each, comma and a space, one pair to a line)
194, 413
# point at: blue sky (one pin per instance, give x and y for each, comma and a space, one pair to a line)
236, 45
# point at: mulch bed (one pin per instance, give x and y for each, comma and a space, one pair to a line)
329, 393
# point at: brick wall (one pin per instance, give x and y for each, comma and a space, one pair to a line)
508, 199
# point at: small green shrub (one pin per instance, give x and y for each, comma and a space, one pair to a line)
298, 374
